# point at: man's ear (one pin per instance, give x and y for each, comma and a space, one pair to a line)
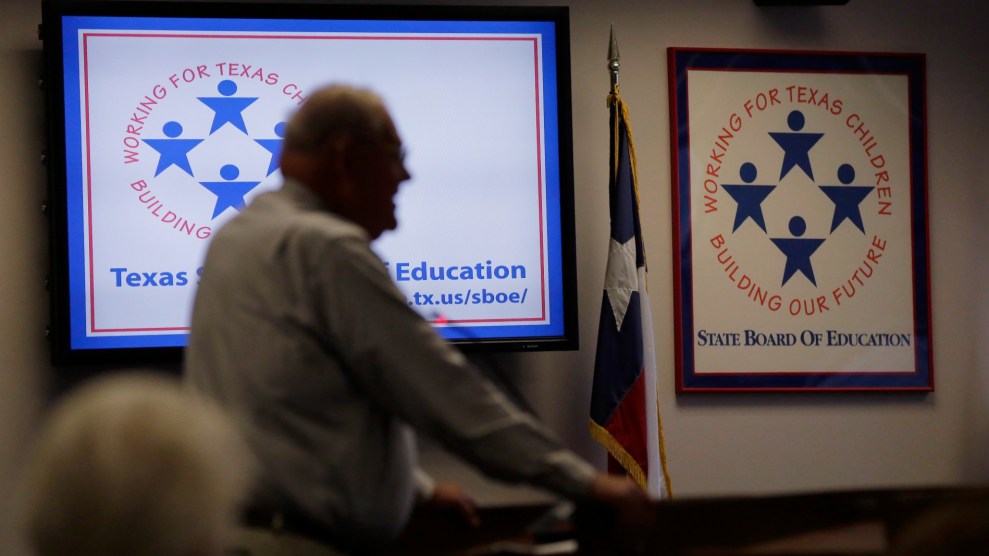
341, 158
336, 150
342, 169
352, 163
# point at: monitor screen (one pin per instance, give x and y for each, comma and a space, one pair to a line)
166, 119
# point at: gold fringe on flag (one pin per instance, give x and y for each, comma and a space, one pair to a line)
617, 451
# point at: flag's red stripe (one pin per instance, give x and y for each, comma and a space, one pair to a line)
628, 423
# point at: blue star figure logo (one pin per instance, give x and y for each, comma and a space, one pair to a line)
847, 198
173, 151
229, 193
227, 108
798, 251
749, 197
796, 146
273, 146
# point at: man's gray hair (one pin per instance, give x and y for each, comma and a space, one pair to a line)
135, 464
332, 111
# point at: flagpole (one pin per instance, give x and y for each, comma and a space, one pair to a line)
616, 463
614, 64
614, 100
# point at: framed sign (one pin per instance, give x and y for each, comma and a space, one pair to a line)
800, 220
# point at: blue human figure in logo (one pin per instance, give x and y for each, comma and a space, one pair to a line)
229, 193
273, 146
796, 146
749, 197
227, 108
173, 151
847, 198
798, 251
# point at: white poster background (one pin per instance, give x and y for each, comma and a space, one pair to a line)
730, 115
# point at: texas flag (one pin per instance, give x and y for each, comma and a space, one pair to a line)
624, 405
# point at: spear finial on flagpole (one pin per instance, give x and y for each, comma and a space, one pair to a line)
613, 59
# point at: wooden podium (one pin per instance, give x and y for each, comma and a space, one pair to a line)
438, 533
844, 523
901, 522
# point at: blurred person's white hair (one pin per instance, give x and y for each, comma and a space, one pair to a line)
135, 465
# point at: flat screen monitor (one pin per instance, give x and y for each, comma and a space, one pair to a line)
166, 119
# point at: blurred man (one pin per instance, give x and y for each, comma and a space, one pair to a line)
298, 328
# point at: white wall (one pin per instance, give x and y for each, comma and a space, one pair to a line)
716, 444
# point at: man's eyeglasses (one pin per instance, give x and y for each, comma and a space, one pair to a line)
395, 151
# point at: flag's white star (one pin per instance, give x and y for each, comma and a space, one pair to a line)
621, 278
